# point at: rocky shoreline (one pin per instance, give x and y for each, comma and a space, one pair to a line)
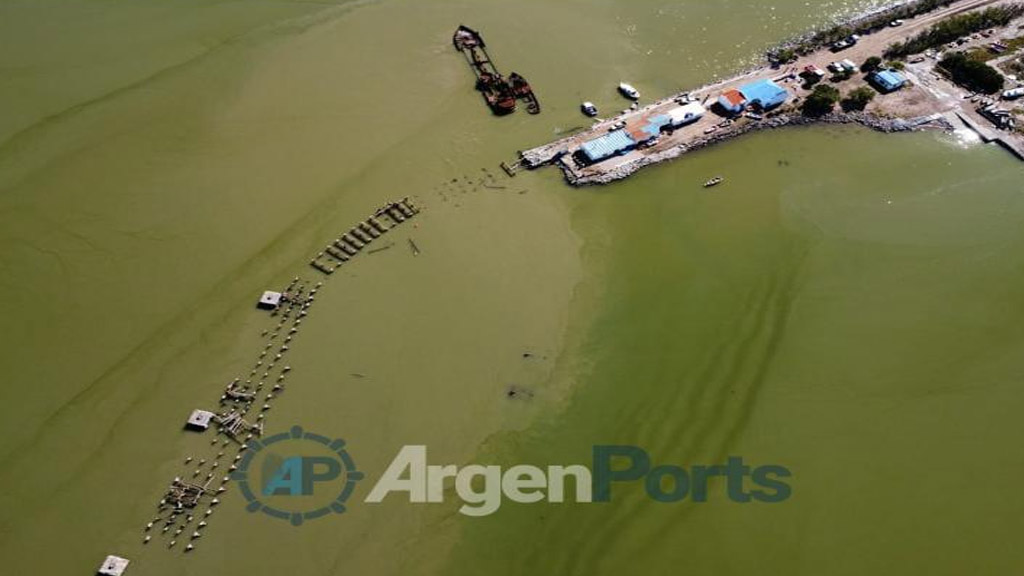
874, 122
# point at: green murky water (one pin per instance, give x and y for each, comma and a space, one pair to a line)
845, 305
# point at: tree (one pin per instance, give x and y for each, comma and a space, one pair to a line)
821, 100
972, 74
786, 55
858, 98
956, 27
871, 64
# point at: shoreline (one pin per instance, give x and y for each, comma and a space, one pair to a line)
927, 100
867, 120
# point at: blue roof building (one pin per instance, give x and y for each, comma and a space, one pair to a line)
888, 80
607, 146
659, 120
764, 93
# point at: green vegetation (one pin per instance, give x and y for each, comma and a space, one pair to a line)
878, 21
841, 76
896, 65
871, 64
785, 56
954, 28
980, 54
858, 98
986, 54
868, 24
1015, 67
821, 101
972, 74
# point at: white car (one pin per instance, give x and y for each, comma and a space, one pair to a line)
628, 91
895, 23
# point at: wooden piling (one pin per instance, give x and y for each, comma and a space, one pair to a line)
369, 230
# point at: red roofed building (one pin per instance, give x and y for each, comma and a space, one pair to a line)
732, 100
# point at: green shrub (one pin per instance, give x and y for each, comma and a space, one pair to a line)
972, 74
821, 101
858, 98
954, 28
871, 64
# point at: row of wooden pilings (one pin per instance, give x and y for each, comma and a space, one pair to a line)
349, 244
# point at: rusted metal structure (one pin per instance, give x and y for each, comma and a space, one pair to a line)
523, 91
499, 93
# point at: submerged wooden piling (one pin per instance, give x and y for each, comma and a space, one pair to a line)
361, 235
350, 243
369, 230
337, 254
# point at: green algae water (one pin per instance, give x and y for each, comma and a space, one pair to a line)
845, 305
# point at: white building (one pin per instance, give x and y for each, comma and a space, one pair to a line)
113, 566
685, 114
269, 300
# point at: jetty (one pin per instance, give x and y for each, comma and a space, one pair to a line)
499, 93
208, 475
917, 96
347, 246
246, 400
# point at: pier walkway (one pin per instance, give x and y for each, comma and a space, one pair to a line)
912, 102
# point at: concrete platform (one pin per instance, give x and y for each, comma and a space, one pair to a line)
113, 566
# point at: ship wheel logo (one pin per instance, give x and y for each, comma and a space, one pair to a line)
297, 476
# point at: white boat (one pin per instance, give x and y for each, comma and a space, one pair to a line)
628, 91
589, 109
714, 182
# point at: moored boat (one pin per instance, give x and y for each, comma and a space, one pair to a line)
628, 91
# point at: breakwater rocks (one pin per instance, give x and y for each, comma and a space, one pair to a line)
881, 124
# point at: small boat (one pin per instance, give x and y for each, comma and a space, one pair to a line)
589, 109
714, 182
628, 91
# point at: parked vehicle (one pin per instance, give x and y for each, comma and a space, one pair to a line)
1013, 94
813, 70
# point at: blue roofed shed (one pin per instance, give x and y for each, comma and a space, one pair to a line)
765, 93
659, 120
888, 80
607, 146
